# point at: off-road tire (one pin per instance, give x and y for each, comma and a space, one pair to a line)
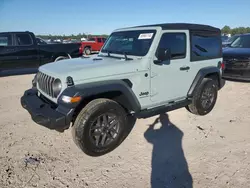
87, 51
196, 105
82, 126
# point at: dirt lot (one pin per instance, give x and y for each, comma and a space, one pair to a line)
188, 151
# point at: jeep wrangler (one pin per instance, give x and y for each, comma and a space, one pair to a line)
140, 72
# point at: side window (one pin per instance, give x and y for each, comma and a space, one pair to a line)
23, 39
91, 39
99, 40
205, 47
5, 40
176, 42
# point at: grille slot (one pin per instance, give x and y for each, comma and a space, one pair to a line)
45, 83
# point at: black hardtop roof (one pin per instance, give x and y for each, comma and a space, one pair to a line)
183, 26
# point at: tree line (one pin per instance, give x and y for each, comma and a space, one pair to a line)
77, 37
225, 30
237, 30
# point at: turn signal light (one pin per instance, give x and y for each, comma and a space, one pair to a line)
68, 99
75, 99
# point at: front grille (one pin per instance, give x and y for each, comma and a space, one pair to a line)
45, 83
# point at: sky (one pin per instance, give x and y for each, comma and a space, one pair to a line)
102, 17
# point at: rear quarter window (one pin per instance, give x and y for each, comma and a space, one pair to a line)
205, 47
23, 39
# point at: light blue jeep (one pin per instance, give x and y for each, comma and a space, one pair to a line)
140, 72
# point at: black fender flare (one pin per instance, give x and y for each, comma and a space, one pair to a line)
201, 75
93, 89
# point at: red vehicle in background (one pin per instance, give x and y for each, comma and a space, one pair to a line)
93, 44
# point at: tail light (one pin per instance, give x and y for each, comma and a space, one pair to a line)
80, 50
221, 65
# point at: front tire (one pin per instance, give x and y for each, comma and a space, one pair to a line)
204, 98
100, 127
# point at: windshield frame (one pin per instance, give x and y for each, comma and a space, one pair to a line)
139, 31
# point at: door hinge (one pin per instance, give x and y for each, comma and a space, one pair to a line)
153, 93
153, 74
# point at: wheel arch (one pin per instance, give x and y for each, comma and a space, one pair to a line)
61, 54
87, 46
208, 72
117, 90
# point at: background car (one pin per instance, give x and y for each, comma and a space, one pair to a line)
237, 58
229, 40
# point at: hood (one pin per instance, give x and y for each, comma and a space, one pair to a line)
236, 52
92, 67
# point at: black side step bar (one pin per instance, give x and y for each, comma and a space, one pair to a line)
162, 109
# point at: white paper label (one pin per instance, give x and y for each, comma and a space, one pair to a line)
146, 36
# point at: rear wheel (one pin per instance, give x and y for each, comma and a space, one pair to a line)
87, 51
204, 98
100, 127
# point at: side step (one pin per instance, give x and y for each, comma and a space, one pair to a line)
162, 109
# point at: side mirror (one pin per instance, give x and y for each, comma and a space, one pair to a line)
163, 55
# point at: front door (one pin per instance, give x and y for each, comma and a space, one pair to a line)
171, 80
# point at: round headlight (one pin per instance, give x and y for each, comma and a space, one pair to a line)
57, 87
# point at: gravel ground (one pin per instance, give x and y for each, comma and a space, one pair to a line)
175, 150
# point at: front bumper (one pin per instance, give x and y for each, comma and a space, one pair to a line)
42, 112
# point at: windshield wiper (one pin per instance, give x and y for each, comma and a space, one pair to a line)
108, 52
125, 55
117, 52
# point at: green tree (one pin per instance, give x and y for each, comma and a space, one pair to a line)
226, 29
248, 29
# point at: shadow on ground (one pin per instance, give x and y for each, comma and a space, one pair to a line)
169, 166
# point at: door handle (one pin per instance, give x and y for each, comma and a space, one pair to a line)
184, 68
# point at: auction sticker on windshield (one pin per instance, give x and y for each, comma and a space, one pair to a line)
145, 36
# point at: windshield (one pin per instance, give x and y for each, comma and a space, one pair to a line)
224, 38
231, 39
241, 42
135, 43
